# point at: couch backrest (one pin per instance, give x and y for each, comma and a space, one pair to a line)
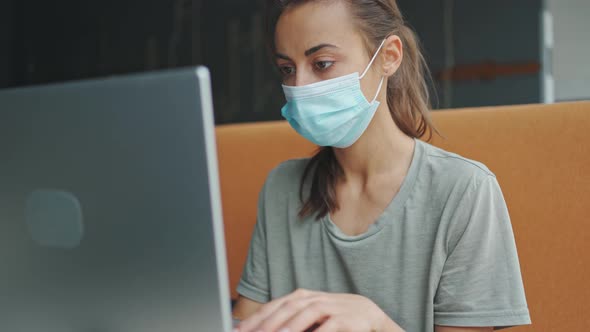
541, 157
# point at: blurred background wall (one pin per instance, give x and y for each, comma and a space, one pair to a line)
480, 52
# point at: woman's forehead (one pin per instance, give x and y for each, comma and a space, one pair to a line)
304, 26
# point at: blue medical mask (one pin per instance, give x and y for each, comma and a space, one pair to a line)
333, 112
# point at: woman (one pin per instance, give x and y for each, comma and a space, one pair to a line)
378, 231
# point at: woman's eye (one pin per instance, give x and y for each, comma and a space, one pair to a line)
286, 70
323, 65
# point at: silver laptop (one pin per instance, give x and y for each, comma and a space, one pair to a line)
110, 214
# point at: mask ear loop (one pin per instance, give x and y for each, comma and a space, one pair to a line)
373, 59
378, 89
369, 66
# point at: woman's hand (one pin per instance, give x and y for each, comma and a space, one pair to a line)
303, 309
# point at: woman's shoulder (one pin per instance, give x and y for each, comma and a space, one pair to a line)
287, 174
451, 167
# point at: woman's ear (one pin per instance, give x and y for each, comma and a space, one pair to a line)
392, 55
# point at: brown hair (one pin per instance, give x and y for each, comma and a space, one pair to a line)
407, 92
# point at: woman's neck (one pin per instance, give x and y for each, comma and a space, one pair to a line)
381, 150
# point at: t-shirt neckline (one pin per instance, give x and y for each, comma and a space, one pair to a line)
393, 210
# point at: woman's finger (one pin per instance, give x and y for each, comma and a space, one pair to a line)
315, 312
330, 325
266, 310
286, 312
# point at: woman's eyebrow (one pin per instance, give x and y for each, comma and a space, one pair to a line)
308, 52
317, 48
282, 56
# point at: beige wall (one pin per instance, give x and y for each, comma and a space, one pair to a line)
571, 51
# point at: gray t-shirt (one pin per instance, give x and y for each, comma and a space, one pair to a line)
442, 252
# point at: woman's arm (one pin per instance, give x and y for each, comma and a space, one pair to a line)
324, 311
244, 308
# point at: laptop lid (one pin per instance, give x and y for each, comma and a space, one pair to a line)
110, 213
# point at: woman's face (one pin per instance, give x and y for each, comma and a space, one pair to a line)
316, 41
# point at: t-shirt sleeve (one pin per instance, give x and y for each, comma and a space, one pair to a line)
254, 281
481, 283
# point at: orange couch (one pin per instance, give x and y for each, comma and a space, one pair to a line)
541, 156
